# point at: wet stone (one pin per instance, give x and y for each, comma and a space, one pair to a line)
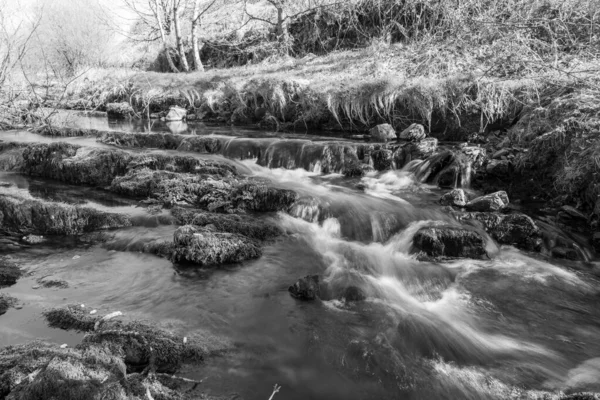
491, 202
565, 253
353, 294
33, 239
456, 197
205, 247
382, 159
449, 241
413, 133
6, 302
306, 288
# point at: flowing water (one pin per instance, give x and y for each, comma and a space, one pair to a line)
468, 329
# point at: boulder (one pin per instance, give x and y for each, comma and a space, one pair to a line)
450, 177
382, 159
414, 133
119, 110
176, 114
306, 288
456, 197
356, 169
203, 246
450, 241
490, 202
498, 168
415, 151
514, 229
383, 132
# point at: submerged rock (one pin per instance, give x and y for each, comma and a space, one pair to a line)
205, 247
306, 288
383, 132
491, 202
21, 214
515, 229
353, 293
565, 253
9, 272
413, 133
450, 241
456, 197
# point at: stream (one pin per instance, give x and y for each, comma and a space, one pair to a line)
515, 325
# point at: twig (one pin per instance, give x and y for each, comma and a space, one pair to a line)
275, 390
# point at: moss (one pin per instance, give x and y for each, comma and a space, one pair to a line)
74, 164
205, 247
242, 224
71, 317
9, 272
25, 215
5, 303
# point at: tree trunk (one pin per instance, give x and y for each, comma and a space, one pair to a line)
196, 47
179, 42
163, 37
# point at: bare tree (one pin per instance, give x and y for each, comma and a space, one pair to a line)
178, 40
14, 43
201, 7
287, 10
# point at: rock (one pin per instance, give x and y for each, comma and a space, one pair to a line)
514, 229
383, 132
33, 239
119, 110
9, 273
245, 225
204, 247
450, 177
475, 154
6, 302
490, 202
356, 169
53, 282
456, 197
499, 168
450, 241
353, 293
176, 114
382, 159
415, 151
306, 288
26, 215
565, 253
413, 133
501, 153
71, 317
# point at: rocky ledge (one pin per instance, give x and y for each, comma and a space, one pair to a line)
117, 359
